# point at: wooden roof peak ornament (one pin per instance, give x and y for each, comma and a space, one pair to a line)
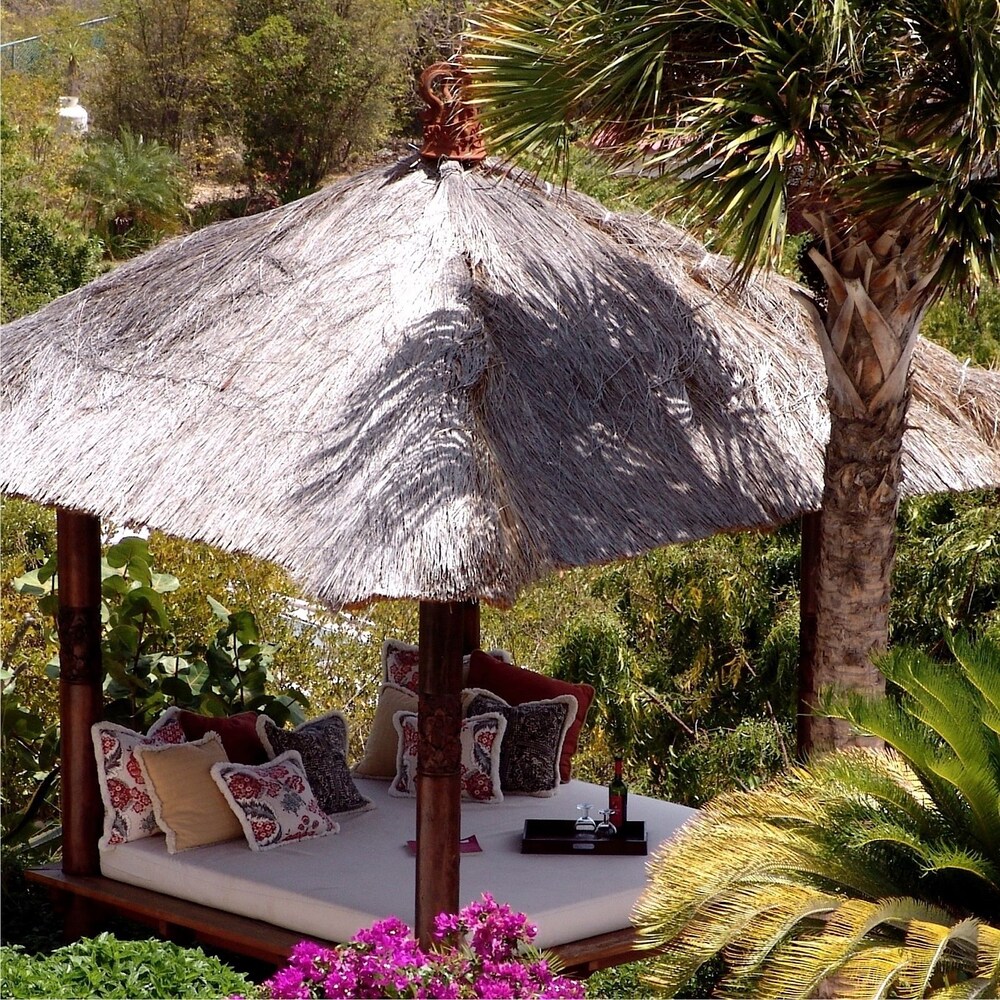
451, 126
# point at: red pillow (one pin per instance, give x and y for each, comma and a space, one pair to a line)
237, 732
517, 685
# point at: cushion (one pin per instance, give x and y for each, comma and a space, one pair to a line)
482, 739
533, 741
273, 801
128, 809
401, 663
516, 685
322, 745
238, 732
379, 760
188, 807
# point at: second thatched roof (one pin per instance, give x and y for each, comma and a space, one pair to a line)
441, 383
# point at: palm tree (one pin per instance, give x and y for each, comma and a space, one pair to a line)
135, 190
874, 872
874, 123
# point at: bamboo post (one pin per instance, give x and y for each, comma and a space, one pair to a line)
78, 540
447, 630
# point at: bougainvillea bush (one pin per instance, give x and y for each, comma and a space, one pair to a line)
484, 951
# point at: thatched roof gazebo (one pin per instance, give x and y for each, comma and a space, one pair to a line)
435, 381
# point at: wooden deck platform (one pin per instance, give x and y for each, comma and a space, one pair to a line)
180, 920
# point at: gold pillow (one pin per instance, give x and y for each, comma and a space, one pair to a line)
379, 760
187, 803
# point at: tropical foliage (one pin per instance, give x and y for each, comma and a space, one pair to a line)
161, 71
693, 652
108, 967
875, 126
43, 253
147, 667
134, 191
874, 872
319, 85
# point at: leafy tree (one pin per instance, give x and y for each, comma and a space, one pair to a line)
163, 76
44, 251
134, 191
692, 653
947, 574
874, 873
876, 124
40, 259
973, 334
318, 84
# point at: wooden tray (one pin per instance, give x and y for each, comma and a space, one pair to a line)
560, 836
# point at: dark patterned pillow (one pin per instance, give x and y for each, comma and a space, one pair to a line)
322, 744
532, 742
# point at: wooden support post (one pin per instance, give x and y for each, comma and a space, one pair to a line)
446, 629
808, 581
78, 537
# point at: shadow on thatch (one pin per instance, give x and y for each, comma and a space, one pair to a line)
427, 381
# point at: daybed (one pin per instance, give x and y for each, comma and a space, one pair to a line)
332, 886
328, 888
301, 881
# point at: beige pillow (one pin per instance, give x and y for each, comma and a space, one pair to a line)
187, 803
379, 760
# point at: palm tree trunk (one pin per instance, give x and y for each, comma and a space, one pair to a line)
877, 295
856, 552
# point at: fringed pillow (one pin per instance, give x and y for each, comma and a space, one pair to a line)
128, 808
322, 744
517, 685
401, 663
533, 742
482, 737
273, 802
188, 806
379, 760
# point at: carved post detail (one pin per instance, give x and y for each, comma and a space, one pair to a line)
446, 631
78, 537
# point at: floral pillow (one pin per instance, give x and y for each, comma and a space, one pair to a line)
482, 738
322, 744
532, 745
128, 808
273, 801
401, 663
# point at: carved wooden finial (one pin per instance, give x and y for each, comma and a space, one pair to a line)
451, 128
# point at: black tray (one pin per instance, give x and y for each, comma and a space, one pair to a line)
560, 836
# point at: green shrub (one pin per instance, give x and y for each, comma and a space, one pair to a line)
107, 967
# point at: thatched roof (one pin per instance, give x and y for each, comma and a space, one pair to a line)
443, 383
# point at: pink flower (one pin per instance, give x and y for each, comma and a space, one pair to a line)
482, 954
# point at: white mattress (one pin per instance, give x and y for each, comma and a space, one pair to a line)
335, 885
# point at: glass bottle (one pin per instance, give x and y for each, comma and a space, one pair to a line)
618, 798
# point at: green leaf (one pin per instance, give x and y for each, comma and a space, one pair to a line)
210, 703
49, 604
244, 626
220, 612
144, 601
178, 689
164, 583
129, 550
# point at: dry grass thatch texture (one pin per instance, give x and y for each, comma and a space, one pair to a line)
442, 383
